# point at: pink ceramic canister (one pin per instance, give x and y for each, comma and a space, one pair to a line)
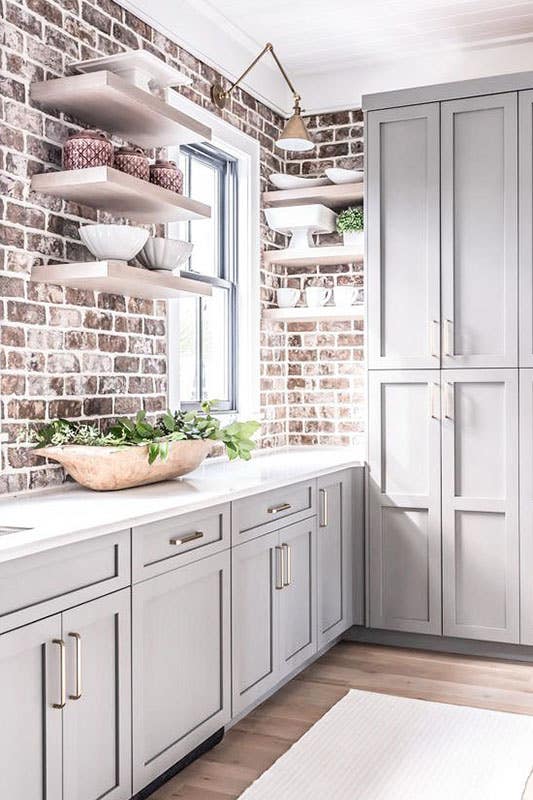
133, 161
88, 148
167, 175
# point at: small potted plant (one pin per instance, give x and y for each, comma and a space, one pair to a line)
350, 223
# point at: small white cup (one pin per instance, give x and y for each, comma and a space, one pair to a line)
344, 295
287, 298
316, 296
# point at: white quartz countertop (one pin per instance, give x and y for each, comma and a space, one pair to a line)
71, 513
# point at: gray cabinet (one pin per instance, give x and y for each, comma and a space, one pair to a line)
255, 600
526, 506
479, 231
403, 237
181, 663
404, 525
66, 715
339, 553
274, 609
525, 245
31, 751
97, 715
297, 610
480, 504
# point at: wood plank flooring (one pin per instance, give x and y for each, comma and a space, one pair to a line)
257, 741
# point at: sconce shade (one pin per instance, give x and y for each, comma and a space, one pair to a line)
295, 135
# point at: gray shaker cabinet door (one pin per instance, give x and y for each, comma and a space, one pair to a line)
181, 663
298, 598
97, 716
403, 237
337, 533
480, 504
30, 752
525, 211
526, 506
404, 522
255, 602
479, 232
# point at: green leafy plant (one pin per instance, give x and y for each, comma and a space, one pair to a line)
351, 219
171, 427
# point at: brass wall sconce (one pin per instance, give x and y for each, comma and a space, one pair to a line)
294, 135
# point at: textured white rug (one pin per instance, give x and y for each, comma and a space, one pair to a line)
377, 747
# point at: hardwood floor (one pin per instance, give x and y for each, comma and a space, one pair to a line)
258, 740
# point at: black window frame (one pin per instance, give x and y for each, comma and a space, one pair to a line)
227, 265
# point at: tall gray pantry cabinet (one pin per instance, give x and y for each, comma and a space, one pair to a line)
449, 213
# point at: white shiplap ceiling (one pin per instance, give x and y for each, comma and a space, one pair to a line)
318, 36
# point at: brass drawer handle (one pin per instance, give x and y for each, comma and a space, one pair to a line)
277, 509
62, 674
186, 539
77, 690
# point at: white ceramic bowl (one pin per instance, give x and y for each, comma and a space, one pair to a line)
283, 181
338, 175
113, 242
162, 253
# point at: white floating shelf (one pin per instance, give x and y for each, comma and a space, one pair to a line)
297, 257
305, 314
117, 277
121, 194
107, 101
335, 195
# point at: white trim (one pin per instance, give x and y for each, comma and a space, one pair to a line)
247, 153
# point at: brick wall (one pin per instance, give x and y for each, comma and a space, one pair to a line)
325, 384
93, 356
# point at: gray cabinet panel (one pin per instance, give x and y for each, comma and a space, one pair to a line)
479, 232
480, 504
403, 237
181, 663
526, 506
262, 513
338, 546
97, 725
404, 501
297, 598
525, 211
254, 620
30, 755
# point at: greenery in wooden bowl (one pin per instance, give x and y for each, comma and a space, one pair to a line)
170, 427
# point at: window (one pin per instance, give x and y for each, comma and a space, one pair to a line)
207, 327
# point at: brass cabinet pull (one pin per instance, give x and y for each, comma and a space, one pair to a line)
62, 674
279, 567
448, 338
77, 690
277, 509
323, 508
186, 539
434, 338
450, 401
287, 559
434, 389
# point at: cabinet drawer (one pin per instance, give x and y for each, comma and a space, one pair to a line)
161, 546
37, 586
261, 513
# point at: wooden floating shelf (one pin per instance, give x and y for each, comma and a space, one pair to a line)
107, 101
335, 195
109, 189
296, 257
305, 314
117, 277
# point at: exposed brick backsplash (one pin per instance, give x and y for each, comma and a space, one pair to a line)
84, 355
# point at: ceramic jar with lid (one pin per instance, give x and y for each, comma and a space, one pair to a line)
167, 175
88, 148
133, 161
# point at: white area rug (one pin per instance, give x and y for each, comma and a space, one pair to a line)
377, 747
